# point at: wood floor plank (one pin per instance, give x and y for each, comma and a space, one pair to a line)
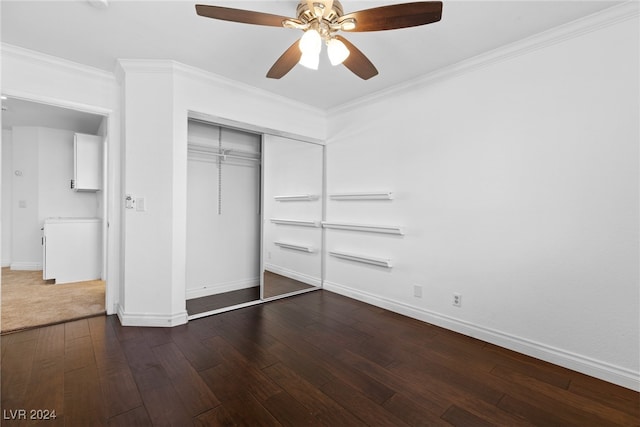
428, 396
76, 329
412, 412
191, 389
160, 398
612, 395
119, 389
309, 368
537, 415
136, 417
242, 410
535, 368
369, 412
288, 411
191, 346
106, 346
237, 369
459, 417
138, 353
83, 404
78, 353
17, 363
314, 359
47, 395
321, 406
320, 347
50, 342
572, 408
249, 341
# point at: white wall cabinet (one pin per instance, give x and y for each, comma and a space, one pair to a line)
72, 249
87, 162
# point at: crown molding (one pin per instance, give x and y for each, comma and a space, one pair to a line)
146, 65
212, 78
207, 77
8, 50
579, 27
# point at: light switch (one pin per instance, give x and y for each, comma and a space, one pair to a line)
140, 204
22, 203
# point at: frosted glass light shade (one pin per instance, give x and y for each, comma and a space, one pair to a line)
337, 51
310, 60
311, 42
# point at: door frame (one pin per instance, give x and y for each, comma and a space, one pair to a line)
110, 200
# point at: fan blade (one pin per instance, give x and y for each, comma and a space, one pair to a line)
357, 62
286, 62
395, 16
240, 15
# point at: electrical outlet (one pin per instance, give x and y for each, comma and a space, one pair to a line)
417, 291
457, 299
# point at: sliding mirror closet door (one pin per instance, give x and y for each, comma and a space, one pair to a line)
292, 233
223, 218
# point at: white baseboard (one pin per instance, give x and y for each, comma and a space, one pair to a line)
291, 274
607, 372
151, 320
26, 266
219, 288
5, 263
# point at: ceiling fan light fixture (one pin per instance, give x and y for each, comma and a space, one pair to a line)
348, 24
310, 60
311, 42
337, 51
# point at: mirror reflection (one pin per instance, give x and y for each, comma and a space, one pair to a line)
292, 234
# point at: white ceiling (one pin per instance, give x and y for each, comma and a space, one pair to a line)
18, 112
79, 32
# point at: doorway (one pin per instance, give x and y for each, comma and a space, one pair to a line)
37, 173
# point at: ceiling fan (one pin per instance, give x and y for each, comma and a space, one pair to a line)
321, 20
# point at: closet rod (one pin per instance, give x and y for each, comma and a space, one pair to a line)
209, 147
218, 151
224, 156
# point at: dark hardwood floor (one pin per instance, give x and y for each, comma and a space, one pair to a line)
312, 359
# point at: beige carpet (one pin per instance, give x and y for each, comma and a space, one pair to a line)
29, 301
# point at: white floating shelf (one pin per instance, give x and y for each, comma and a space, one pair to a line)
295, 222
385, 229
362, 196
297, 198
380, 262
294, 247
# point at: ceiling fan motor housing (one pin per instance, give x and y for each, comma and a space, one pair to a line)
305, 14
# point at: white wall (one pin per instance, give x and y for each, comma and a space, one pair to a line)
517, 183
44, 159
148, 170
7, 196
223, 227
293, 167
26, 252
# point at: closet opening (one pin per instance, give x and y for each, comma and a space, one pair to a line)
239, 185
223, 217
